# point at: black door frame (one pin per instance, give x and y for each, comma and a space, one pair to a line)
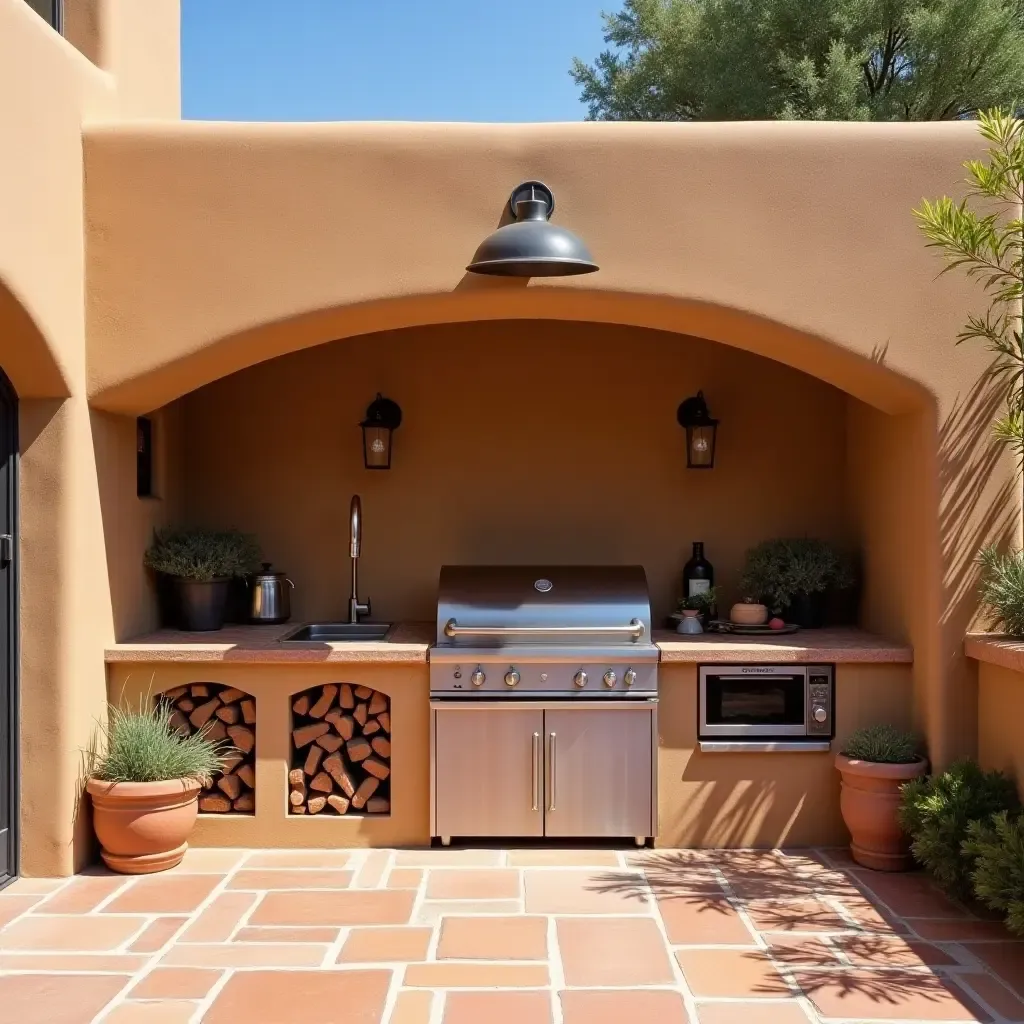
10, 770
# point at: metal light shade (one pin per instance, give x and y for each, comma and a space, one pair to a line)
701, 432
531, 246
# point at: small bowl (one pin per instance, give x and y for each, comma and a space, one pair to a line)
744, 614
690, 625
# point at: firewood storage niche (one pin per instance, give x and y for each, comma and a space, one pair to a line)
341, 751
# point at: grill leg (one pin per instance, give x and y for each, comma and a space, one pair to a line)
446, 840
640, 840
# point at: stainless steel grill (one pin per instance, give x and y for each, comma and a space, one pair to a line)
543, 686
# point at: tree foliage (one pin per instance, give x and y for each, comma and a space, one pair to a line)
856, 60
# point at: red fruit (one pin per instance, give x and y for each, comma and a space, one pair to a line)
776, 624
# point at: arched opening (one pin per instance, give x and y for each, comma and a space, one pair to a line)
9, 735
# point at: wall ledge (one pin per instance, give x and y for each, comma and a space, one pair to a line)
996, 649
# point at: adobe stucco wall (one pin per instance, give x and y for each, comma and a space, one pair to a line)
1000, 713
547, 440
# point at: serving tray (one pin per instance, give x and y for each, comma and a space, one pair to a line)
735, 629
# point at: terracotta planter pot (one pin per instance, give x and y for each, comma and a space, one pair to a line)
869, 801
143, 826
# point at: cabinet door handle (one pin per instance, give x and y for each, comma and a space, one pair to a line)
551, 770
536, 772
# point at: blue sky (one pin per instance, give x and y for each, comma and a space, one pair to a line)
420, 60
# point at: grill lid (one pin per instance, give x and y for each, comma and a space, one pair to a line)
504, 605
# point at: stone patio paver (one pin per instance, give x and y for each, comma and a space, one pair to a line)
487, 935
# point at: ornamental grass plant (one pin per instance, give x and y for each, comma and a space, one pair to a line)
202, 555
1002, 589
882, 744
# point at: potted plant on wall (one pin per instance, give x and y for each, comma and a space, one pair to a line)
200, 565
144, 782
874, 764
793, 577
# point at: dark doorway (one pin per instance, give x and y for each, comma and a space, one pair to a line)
8, 631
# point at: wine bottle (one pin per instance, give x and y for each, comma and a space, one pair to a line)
698, 573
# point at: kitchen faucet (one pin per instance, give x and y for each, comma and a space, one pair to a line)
355, 514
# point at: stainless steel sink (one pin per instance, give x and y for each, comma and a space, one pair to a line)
337, 632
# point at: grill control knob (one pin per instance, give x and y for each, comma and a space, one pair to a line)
478, 678
609, 679
630, 677
580, 679
511, 677
819, 714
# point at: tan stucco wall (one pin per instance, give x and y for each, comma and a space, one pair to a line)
763, 800
1000, 713
545, 440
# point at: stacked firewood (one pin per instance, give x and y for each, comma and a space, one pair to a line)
228, 715
341, 751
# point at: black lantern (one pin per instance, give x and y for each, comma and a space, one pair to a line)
383, 417
701, 430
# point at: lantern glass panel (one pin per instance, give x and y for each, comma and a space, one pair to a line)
700, 446
377, 447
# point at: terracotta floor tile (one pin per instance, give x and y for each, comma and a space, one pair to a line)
965, 929
795, 916
413, 1006
636, 1007
751, 1013
801, 949
156, 935
453, 975
56, 998
449, 858
241, 954
497, 1008
298, 859
83, 894
544, 857
373, 869
891, 951
108, 963
701, 919
996, 994
294, 879
169, 1011
327, 935
163, 894
175, 983
430, 912
623, 951
14, 906
900, 995
909, 894
76, 934
731, 973
453, 884
345, 907
386, 945
586, 892
1006, 959
209, 859
220, 918
873, 917
405, 878
493, 938
312, 997
33, 886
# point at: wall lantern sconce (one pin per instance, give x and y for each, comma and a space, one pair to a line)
701, 431
383, 417
531, 246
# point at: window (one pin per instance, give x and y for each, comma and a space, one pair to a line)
144, 458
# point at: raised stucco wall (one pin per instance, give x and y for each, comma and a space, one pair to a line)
1000, 713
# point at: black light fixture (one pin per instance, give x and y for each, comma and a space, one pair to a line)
701, 431
531, 246
383, 417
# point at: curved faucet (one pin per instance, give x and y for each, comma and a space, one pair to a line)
355, 518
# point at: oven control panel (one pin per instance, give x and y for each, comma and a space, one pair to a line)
585, 679
819, 702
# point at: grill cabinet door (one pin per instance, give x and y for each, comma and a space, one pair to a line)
599, 771
487, 769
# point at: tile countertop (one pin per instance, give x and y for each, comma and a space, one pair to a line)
409, 643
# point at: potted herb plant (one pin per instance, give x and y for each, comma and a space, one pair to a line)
200, 564
874, 765
698, 606
144, 783
793, 576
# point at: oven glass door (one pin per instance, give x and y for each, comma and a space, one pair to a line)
741, 705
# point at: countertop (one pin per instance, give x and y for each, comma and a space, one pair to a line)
409, 643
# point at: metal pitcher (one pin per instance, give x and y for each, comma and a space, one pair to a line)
270, 594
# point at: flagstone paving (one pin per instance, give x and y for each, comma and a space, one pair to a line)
491, 936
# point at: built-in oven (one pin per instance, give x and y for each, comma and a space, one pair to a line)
774, 707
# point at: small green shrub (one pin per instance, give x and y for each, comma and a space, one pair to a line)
142, 746
776, 571
1002, 588
202, 555
997, 848
937, 811
701, 602
882, 744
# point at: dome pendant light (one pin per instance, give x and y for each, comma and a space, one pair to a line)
531, 246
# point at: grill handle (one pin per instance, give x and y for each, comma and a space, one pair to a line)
635, 630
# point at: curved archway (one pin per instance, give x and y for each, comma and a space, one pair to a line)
25, 354
891, 389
